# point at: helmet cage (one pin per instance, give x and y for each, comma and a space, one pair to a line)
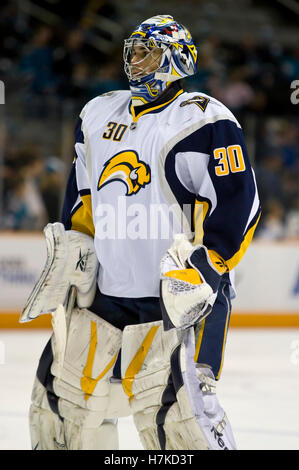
150, 45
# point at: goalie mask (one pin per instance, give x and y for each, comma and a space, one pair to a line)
157, 53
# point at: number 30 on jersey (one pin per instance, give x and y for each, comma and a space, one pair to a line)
230, 160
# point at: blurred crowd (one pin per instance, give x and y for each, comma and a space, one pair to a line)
277, 174
53, 65
32, 189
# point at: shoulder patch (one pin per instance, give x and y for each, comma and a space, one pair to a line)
115, 93
109, 93
200, 101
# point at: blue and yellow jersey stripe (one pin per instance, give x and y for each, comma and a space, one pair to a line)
77, 208
222, 191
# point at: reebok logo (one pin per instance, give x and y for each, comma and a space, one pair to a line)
82, 261
217, 437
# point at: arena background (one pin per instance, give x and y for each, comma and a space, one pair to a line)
55, 56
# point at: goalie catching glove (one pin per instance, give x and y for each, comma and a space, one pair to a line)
71, 261
190, 278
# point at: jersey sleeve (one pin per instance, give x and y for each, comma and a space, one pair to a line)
229, 226
213, 164
77, 208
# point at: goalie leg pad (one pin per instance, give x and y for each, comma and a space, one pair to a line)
145, 375
48, 431
85, 349
78, 438
197, 399
166, 397
84, 353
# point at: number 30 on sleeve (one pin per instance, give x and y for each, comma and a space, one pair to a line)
230, 160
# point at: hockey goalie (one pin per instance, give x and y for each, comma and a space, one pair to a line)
141, 305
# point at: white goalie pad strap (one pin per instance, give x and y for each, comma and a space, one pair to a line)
71, 261
85, 349
170, 409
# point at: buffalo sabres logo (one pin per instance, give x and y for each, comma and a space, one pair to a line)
126, 167
200, 101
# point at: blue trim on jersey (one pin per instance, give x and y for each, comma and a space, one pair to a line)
84, 192
215, 330
72, 192
224, 228
79, 136
200, 260
161, 107
70, 199
235, 195
181, 194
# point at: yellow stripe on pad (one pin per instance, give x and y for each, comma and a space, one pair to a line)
137, 362
88, 384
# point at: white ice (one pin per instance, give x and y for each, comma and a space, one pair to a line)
259, 388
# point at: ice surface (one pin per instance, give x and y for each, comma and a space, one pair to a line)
259, 388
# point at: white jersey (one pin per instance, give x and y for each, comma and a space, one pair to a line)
137, 180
